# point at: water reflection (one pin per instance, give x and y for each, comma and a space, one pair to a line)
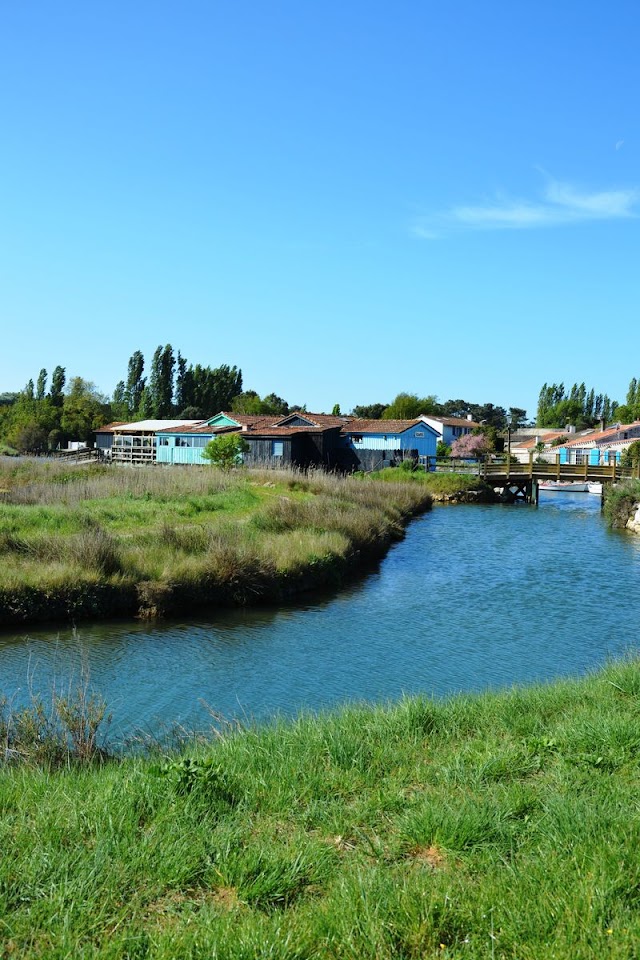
473, 597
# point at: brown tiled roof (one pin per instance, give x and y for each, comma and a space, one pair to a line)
267, 431
319, 419
247, 419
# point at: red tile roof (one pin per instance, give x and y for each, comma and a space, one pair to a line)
598, 435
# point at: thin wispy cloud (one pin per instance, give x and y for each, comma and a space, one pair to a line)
558, 204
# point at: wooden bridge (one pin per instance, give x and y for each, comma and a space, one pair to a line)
519, 481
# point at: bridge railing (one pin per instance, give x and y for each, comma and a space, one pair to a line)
561, 471
509, 466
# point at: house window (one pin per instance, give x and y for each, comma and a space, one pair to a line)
356, 437
163, 441
277, 448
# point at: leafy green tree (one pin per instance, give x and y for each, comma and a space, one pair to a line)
54, 439
443, 449
408, 406
226, 451
371, 411
191, 413
83, 411
248, 402
146, 410
518, 417
480, 412
578, 407
631, 456
215, 389
119, 405
336, 410
31, 438
20, 419
160, 386
135, 382
58, 380
28, 391
630, 410
275, 405
41, 386
182, 397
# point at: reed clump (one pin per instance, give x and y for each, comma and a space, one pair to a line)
151, 541
69, 728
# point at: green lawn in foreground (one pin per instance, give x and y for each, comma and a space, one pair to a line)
485, 826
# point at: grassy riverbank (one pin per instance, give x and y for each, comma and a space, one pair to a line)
443, 487
78, 542
484, 826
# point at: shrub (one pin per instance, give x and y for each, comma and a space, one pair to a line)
620, 500
67, 731
226, 451
631, 456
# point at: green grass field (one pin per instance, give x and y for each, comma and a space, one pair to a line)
91, 541
495, 826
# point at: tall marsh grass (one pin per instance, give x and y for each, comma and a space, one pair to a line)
158, 540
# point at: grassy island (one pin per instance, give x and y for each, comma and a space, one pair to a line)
500, 825
80, 542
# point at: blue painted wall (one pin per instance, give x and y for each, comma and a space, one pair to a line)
596, 455
181, 447
420, 437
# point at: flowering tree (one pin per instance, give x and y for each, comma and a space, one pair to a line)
475, 445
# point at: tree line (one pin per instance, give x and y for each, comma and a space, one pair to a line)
579, 407
50, 411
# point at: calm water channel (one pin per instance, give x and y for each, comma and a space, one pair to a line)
473, 597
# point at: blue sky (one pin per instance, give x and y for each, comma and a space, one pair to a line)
346, 200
